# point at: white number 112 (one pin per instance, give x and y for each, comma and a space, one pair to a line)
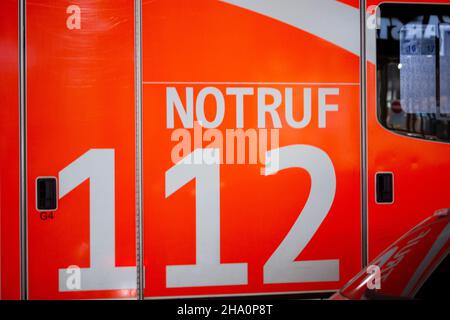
281, 267
97, 165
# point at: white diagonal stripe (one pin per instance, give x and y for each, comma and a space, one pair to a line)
335, 22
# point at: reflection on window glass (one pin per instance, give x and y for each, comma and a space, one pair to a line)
444, 64
417, 69
413, 70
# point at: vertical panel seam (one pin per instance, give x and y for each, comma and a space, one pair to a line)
138, 142
23, 156
363, 108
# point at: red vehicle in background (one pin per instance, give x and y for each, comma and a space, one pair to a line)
417, 266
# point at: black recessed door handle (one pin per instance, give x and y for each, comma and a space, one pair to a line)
384, 187
46, 194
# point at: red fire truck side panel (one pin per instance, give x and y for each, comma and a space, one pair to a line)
191, 48
419, 167
274, 99
80, 100
9, 152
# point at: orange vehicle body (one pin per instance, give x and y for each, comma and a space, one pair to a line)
415, 163
210, 71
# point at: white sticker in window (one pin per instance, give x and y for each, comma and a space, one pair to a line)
444, 69
417, 69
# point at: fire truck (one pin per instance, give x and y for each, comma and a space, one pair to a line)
169, 148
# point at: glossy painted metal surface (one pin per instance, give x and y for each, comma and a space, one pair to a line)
81, 104
9, 151
420, 170
223, 45
80, 96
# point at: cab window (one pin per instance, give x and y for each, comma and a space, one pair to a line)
413, 70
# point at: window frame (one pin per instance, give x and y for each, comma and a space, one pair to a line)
430, 10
